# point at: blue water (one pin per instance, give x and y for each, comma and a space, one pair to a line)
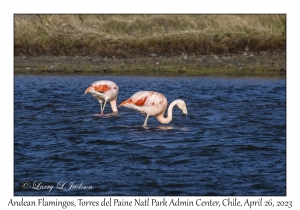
232, 142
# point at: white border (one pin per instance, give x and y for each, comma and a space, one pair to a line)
153, 6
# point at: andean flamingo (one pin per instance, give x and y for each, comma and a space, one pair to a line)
104, 90
152, 103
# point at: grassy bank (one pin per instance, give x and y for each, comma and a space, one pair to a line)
126, 36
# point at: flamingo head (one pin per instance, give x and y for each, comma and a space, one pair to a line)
181, 105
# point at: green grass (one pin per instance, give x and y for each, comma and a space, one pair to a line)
141, 35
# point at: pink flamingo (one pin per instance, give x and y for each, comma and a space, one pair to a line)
153, 104
104, 90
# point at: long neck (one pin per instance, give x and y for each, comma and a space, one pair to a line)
113, 104
168, 119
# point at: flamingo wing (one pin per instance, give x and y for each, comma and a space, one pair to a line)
147, 102
141, 98
102, 86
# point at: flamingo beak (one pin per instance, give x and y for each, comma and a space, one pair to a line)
184, 113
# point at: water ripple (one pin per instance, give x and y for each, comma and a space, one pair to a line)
232, 142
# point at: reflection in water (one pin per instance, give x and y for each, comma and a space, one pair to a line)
152, 128
236, 126
164, 127
113, 114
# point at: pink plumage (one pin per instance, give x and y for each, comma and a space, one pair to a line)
104, 90
152, 103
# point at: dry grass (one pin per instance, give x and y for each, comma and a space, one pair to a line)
140, 35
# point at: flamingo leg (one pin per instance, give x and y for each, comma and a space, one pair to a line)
145, 123
102, 110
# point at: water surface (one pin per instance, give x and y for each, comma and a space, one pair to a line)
232, 142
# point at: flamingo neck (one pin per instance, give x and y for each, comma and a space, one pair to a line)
113, 104
168, 119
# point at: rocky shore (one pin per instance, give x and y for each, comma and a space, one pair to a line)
262, 62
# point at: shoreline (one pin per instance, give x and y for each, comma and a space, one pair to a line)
253, 63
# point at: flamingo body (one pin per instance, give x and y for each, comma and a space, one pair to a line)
152, 103
104, 91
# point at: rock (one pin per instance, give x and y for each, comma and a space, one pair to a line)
262, 52
184, 56
95, 58
215, 57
